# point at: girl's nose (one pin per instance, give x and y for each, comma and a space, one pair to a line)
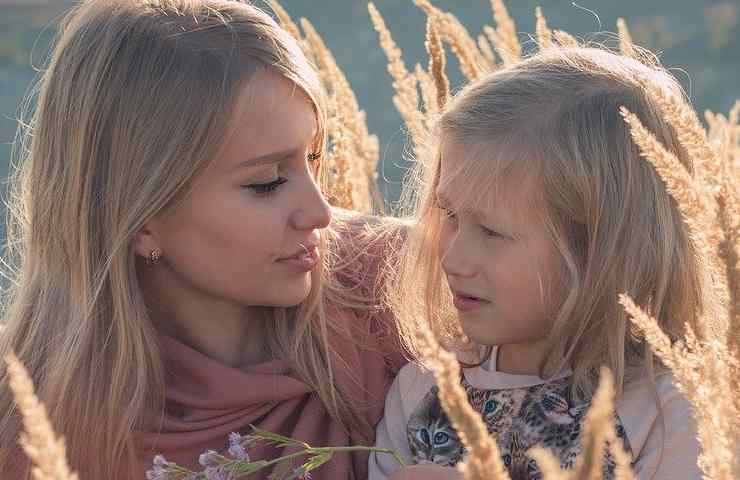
456, 258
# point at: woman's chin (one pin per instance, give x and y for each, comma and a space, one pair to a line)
291, 294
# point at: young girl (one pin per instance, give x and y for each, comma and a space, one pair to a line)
536, 214
177, 270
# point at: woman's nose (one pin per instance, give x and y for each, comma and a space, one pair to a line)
313, 211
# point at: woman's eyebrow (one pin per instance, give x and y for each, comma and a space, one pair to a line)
274, 157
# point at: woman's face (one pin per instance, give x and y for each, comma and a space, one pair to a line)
247, 231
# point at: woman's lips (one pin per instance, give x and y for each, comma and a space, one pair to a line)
304, 261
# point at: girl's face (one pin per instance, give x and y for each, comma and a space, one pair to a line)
499, 262
247, 232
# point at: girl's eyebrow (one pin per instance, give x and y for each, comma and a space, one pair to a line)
441, 198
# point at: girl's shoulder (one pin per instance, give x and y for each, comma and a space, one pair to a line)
659, 424
412, 384
641, 393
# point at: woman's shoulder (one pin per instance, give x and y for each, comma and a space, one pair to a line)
353, 229
363, 247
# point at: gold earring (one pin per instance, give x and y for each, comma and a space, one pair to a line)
154, 257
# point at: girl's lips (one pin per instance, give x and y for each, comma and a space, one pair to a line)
303, 262
467, 304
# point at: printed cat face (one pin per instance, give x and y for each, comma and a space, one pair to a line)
498, 407
516, 460
431, 436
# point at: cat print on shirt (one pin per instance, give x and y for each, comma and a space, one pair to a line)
540, 415
431, 436
498, 410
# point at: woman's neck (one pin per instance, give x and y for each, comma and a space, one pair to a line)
223, 330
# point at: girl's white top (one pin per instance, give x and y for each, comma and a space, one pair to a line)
522, 411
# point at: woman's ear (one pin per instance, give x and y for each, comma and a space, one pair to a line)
145, 241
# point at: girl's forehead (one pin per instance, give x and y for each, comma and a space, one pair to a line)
486, 177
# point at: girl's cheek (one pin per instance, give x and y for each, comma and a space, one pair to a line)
444, 241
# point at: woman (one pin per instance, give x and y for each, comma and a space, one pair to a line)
180, 276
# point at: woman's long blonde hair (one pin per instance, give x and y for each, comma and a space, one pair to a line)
556, 116
136, 98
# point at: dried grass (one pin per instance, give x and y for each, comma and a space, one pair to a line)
437, 62
504, 37
626, 47
544, 34
472, 62
38, 440
406, 98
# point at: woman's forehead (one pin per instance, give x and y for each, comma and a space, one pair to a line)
271, 115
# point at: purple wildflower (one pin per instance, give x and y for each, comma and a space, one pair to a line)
236, 450
160, 470
215, 473
208, 458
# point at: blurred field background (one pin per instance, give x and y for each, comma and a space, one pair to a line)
698, 40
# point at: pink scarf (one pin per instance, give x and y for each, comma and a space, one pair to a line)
206, 400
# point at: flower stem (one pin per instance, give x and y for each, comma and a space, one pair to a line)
324, 450
361, 448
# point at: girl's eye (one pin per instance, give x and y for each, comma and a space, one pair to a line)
490, 233
266, 188
447, 212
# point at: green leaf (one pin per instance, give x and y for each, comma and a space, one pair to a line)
240, 468
317, 461
276, 439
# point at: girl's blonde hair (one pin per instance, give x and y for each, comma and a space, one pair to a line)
555, 116
136, 98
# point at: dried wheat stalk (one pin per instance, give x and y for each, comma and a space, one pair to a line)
47, 452
504, 37
472, 62
626, 46
544, 34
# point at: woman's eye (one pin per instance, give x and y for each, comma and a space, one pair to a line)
313, 157
266, 188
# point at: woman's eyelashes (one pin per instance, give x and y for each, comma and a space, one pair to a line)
266, 188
